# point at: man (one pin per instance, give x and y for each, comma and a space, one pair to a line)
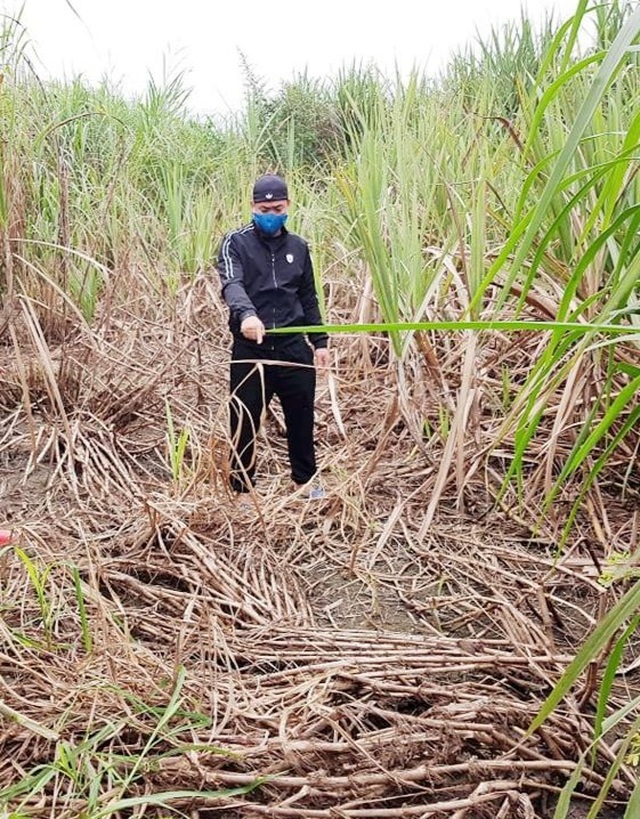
267, 282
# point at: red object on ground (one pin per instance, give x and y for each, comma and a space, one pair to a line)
5, 537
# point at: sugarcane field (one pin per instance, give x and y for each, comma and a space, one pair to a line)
339, 519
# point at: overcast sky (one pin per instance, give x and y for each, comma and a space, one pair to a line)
129, 39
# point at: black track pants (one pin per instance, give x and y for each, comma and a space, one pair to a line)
253, 385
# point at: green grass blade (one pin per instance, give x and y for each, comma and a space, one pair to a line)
613, 769
514, 325
633, 805
622, 713
173, 706
82, 610
163, 798
608, 679
564, 800
610, 417
624, 609
606, 74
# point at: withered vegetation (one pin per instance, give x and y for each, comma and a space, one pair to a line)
334, 658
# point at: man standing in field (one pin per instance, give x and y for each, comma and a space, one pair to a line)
267, 282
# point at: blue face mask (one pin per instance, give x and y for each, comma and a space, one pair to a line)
269, 223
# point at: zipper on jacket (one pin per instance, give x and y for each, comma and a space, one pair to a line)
275, 284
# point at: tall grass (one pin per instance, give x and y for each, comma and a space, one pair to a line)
506, 188
524, 201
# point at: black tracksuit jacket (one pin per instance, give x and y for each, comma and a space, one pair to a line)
269, 277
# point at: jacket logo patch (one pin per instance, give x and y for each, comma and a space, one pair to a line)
289, 258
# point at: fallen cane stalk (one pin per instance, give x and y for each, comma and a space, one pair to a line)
418, 774
500, 788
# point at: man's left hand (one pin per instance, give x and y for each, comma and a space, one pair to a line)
322, 358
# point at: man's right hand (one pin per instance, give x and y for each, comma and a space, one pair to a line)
253, 329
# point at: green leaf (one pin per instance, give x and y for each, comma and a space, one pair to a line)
612, 415
161, 799
515, 325
608, 678
633, 806
82, 610
624, 609
607, 72
564, 800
